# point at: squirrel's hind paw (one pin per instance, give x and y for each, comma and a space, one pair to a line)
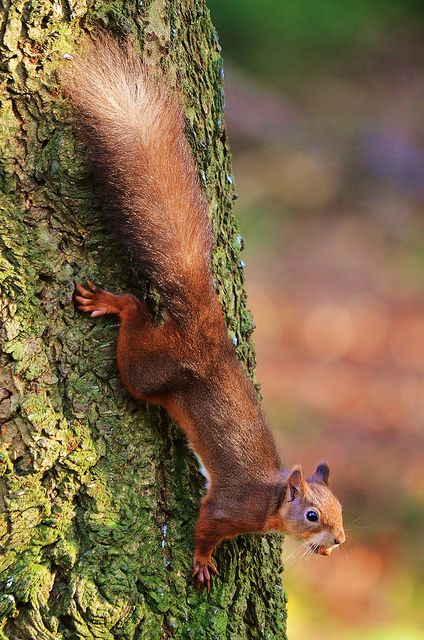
94, 300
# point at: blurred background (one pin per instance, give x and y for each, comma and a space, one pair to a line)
325, 113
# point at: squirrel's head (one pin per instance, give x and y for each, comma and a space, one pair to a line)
311, 512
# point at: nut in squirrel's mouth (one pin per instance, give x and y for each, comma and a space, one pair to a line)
321, 551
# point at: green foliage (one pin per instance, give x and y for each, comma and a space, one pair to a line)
277, 39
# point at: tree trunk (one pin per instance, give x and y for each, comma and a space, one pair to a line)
99, 495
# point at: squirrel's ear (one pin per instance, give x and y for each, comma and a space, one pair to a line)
295, 484
321, 474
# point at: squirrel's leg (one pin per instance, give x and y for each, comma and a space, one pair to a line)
98, 302
210, 531
141, 344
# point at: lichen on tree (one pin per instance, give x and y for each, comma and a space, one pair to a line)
99, 495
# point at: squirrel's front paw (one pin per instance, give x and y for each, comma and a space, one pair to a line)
201, 572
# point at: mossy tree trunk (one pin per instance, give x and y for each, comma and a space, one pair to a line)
99, 495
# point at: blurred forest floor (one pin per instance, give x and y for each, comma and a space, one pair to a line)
331, 206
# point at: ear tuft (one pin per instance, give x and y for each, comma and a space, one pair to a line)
321, 474
295, 483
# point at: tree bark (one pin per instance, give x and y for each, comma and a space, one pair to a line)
99, 495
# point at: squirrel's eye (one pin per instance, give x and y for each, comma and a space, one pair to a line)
312, 516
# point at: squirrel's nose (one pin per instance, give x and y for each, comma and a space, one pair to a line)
340, 539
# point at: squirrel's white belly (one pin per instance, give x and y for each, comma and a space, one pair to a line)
203, 470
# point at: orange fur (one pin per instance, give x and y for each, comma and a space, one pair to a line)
187, 364
135, 130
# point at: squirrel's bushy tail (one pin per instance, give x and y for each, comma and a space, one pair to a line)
146, 176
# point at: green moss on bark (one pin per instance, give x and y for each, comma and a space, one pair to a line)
99, 495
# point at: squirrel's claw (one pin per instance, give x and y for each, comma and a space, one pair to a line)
84, 292
92, 286
94, 300
202, 575
89, 290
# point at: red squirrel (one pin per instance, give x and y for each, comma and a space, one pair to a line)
150, 192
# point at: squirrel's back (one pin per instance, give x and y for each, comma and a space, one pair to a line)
147, 180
